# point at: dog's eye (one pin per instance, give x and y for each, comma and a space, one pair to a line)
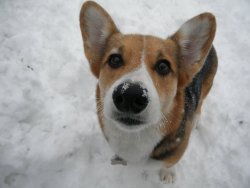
162, 67
115, 61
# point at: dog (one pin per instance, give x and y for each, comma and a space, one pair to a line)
150, 90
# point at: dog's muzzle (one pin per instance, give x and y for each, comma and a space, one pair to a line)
130, 99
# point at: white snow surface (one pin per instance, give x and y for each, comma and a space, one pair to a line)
49, 133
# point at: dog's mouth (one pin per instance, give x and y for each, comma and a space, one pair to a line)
129, 121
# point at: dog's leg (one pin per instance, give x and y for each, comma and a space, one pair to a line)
118, 160
167, 175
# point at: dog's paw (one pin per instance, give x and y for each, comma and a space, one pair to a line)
116, 160
167, 176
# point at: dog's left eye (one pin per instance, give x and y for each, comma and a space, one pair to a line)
162, 67
115, 61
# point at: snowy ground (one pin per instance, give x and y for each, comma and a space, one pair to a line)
49, 135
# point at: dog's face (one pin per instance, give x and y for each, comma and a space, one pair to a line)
139, 76
137, 80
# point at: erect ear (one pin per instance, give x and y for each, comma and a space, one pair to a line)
96, 27
194, 40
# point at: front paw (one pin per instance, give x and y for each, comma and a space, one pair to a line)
167, 176
118, 160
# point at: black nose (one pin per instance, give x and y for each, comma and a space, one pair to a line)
130, 98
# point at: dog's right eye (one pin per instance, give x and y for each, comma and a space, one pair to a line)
115, 61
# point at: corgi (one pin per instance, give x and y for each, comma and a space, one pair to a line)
150, 90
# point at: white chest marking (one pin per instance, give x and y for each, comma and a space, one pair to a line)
132, 146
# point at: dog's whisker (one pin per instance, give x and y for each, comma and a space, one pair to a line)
99, 107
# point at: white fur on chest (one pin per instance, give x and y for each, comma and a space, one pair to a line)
132, 146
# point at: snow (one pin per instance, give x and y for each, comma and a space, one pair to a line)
49, 133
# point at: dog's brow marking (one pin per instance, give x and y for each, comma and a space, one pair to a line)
114, 51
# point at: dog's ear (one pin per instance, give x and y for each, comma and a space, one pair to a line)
194, 40
96, 27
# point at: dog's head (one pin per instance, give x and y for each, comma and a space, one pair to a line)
140, 76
